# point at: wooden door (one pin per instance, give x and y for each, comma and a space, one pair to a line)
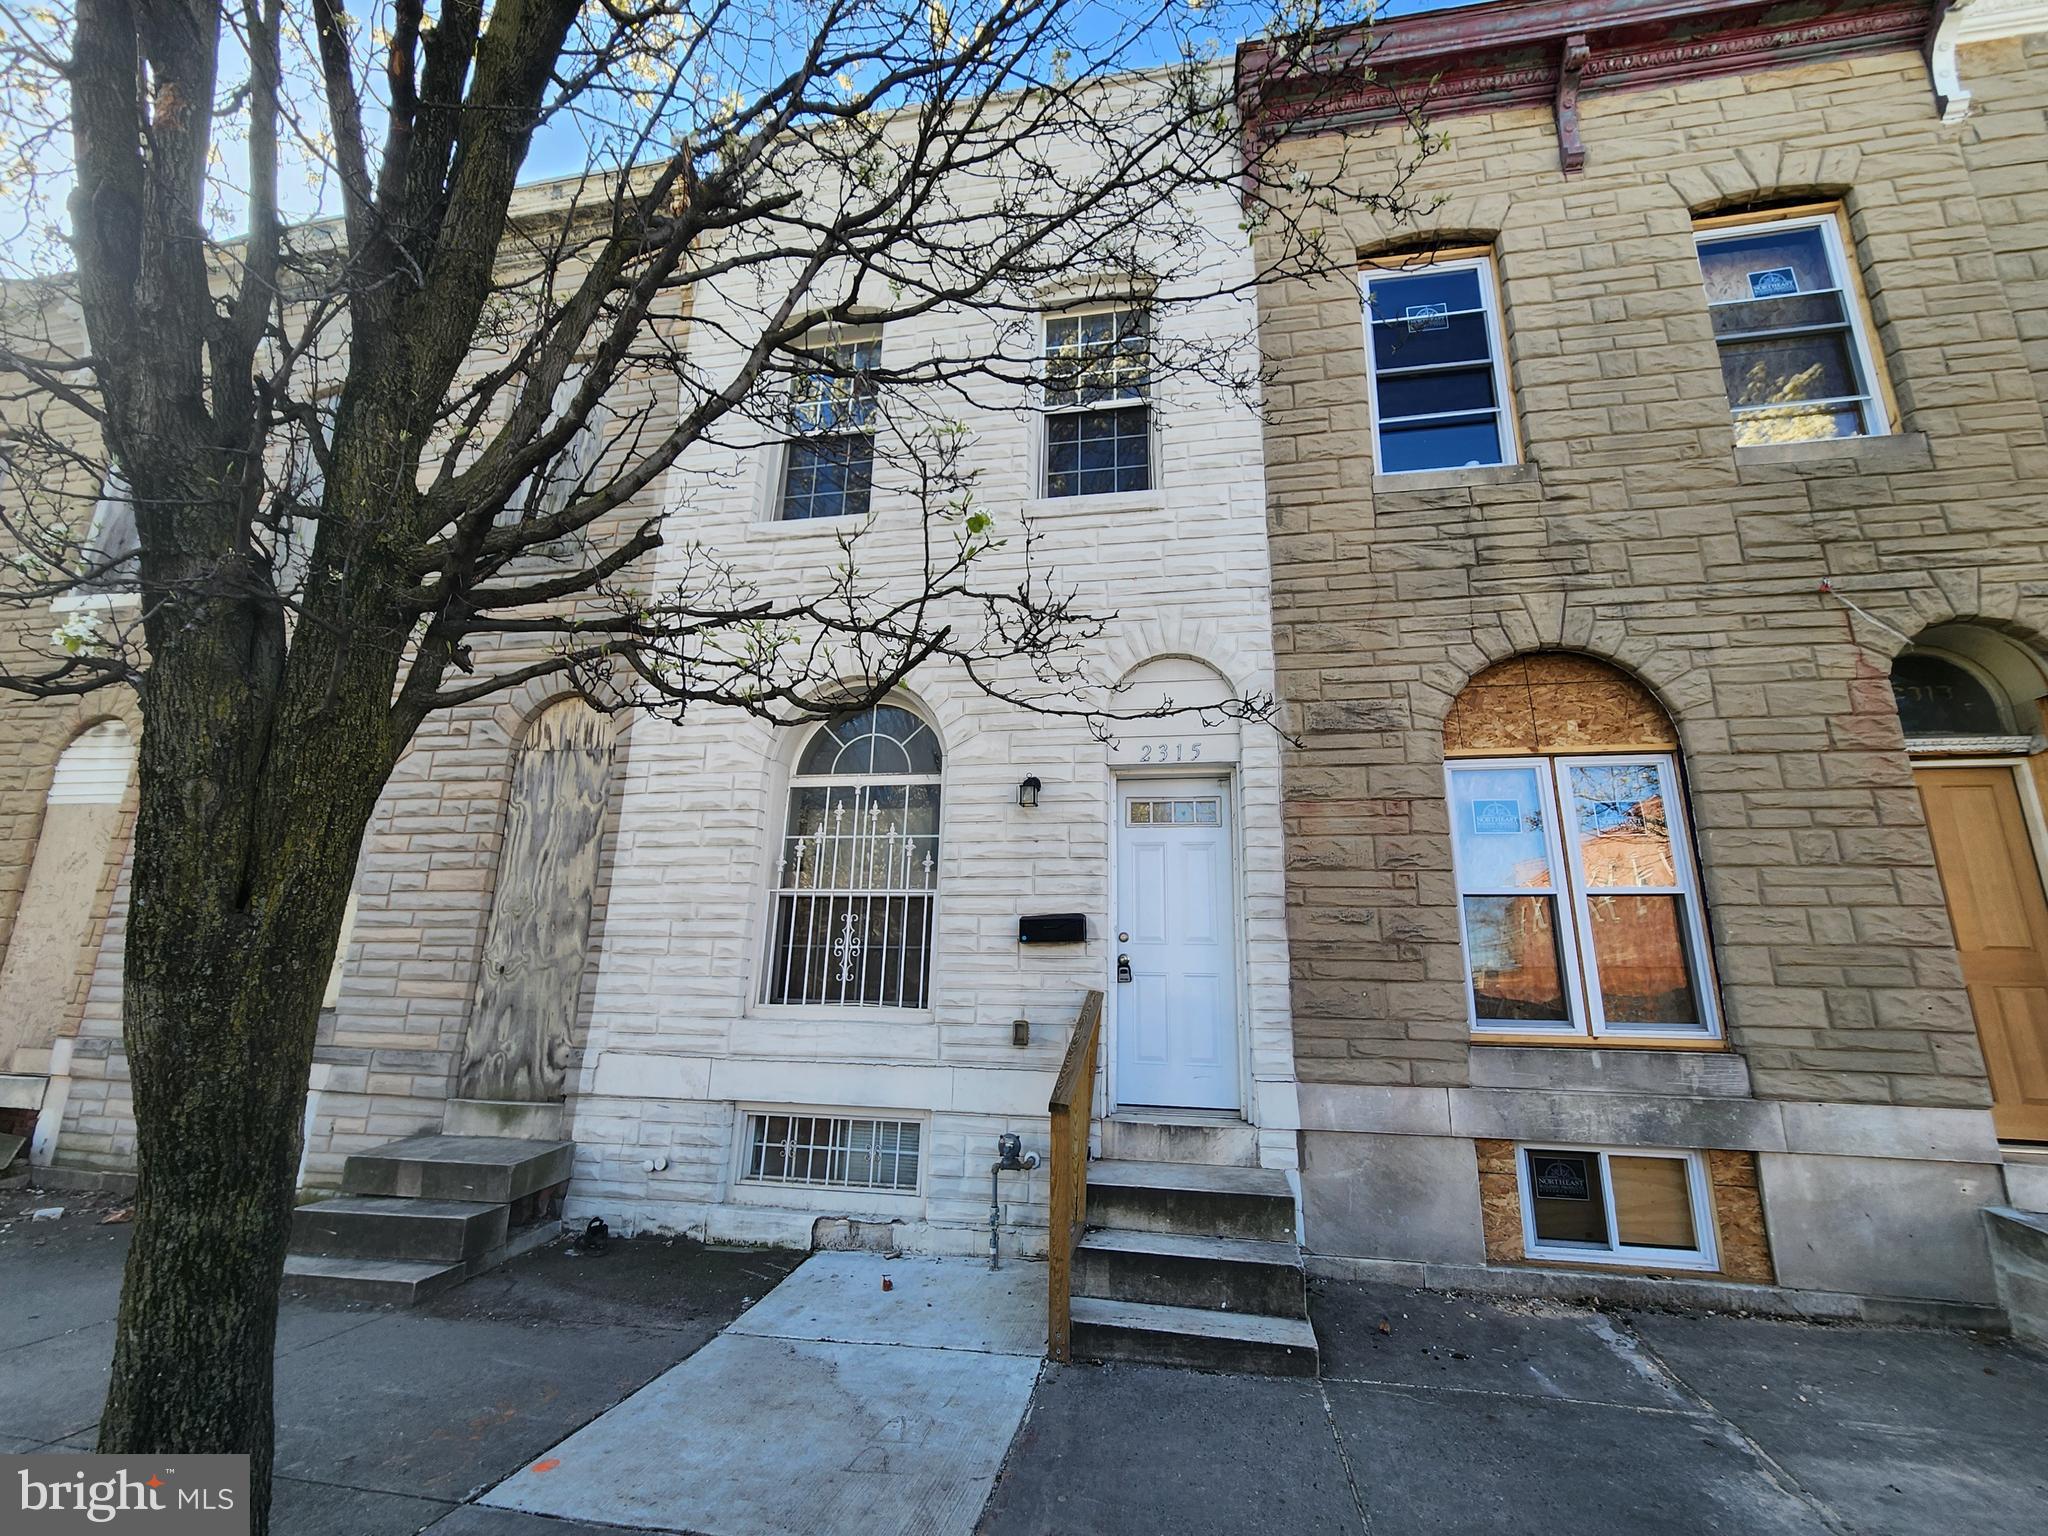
1993, 885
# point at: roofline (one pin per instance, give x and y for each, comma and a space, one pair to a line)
1512, 53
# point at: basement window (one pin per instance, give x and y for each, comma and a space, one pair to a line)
833, 1152
1635, 1207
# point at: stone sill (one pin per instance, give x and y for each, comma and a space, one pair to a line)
1900, 451
1457, 479
1700, 1073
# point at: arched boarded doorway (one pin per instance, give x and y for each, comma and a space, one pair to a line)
518, 1042
46, 959
1969, 703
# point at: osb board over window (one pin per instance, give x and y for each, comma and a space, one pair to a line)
1738, 1217
1558, 702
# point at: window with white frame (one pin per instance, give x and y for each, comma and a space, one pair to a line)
1098, 411
1795, 354
833, 1152
568, 474
1578, 898
1439, 382
1614, 1206
112, 544
829, 461
857, 871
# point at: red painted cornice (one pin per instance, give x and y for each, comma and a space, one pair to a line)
1537, 52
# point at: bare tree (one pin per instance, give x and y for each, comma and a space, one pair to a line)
346, 472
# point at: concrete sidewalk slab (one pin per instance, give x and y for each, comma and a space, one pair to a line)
931, 1304
1434, 1463
1896, 1430
833, 1405
1538, 1348
787, 1437
1144, 1449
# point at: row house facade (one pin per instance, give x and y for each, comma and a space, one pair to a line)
1660, 583
1643, 895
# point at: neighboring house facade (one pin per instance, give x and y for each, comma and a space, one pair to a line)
1660, 554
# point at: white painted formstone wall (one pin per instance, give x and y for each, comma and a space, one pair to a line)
679, 1046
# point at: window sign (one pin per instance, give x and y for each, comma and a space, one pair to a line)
1773, 283
1429, 317
1496, 818
1562, 1178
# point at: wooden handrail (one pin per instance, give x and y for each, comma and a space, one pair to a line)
1073, 1098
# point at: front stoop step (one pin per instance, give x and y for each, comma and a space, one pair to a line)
380, 1280
1192, 1199
1228, 1274
385, 1227
1192, 1264
500, 1169
1193, 1336
425, 1213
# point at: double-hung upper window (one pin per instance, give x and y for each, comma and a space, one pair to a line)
1098, 413
1578, 897
829, 464
1439, 385
1794, 353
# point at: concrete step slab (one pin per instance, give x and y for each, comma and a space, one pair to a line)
1156, 1138
389, 1227
397, 1281
1174, 1269
1196, 1200
498, 1169
1192, 1336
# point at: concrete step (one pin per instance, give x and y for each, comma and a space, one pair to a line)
1230, 1274
1192, 1336
1154, 1138
1191, 1199
495, 1169
400, 1281
386, 1227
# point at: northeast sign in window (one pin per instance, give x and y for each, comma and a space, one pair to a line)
1439, 389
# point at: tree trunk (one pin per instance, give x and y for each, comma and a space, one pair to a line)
256, 784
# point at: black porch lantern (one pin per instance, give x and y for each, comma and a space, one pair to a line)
1027, 792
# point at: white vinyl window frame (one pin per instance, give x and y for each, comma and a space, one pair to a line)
1699, 1190
1874, 400
1571, 895
1505, 426
1139, 400
835, 352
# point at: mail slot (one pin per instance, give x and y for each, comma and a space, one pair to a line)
1053, 928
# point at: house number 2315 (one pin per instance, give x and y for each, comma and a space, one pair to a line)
1170, 752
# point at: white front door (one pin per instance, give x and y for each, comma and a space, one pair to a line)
1176, 941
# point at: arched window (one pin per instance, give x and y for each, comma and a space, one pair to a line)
1940, 695
1577, 891
858, 866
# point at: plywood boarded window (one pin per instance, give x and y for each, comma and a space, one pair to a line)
519, 1039
1555, 702
47, 959
1578, 898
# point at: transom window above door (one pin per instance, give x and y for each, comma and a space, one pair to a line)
1578, 895
1439, 385
856, 870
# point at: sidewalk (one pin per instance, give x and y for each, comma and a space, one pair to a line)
570, 1396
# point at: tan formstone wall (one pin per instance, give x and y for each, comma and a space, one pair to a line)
1635, 532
